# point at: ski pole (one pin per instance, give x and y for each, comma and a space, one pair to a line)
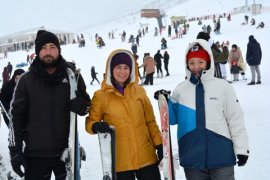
4, 109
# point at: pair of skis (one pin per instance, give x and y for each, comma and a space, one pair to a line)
168, 160
74, 154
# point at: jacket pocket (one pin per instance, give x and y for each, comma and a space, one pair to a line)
220, 151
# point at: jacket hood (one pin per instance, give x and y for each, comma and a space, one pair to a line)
209, 73
252, 39
107, 83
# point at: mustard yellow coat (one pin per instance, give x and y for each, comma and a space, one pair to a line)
137, 133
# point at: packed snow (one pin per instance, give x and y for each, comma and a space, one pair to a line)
254, 99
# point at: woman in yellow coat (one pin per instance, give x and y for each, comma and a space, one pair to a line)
122, 103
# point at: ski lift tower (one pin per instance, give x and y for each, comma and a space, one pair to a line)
153, 13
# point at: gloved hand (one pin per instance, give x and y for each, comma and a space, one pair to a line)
79, 105
242, 159
164, 92
225, 44
101, 127
18, 160
159, 149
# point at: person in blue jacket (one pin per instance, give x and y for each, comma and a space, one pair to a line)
253, 58
211, 131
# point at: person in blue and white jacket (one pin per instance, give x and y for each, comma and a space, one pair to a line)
211, 131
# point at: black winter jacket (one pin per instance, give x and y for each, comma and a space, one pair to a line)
166, 58
40, 111
254, 52
93, 73
157, 58
6, 93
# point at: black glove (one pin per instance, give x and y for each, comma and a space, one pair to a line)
101, 127
242, 159
159, 149
18, 160
164, 92
79, 105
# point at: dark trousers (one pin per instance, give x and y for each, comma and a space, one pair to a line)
224, 173
41, 168
149, 78
147, 173
94, 78
166, 67
159, 68
218, 73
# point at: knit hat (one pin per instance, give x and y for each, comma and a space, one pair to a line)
17, 72
203, 35
121, 58
198, 52
234, 46
44, 37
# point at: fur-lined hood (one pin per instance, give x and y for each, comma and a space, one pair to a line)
107, 83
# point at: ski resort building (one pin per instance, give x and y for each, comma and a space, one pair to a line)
178, 19
24, 40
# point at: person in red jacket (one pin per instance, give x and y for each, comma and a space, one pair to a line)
5, 75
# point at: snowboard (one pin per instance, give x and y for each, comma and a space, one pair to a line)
73, 155
168, 164
107, 152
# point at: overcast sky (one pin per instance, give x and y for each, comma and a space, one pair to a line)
72, 15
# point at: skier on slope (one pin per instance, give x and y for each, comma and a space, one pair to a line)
122, 103
211, 131
40, 112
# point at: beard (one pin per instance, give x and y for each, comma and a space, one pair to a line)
49, 61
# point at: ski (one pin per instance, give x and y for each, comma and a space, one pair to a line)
168, 164
73, 155
107, 151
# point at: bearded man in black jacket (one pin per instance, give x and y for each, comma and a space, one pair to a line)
40, 112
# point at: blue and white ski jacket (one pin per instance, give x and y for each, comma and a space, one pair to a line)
214, 142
